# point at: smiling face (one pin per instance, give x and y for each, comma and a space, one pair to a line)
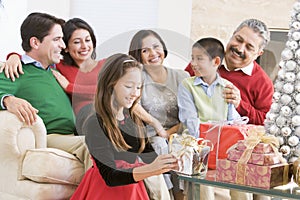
48, 51
204, 66
152, 51
128, 88
243, 48
80, 45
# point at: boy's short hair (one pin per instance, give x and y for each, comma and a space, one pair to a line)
212, 46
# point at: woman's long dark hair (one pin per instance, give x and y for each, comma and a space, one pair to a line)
135, 47
68, 29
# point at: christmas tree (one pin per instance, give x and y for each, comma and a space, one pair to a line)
283, 119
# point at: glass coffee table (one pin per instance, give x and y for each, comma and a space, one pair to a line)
290, 191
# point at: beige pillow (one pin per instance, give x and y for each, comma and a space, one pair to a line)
50, 165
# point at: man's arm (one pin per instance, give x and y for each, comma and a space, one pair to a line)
262, 104
21, 108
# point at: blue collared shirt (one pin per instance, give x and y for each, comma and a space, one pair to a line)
186, 101
28, 60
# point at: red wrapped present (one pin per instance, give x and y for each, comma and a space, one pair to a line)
223, 137
255, 175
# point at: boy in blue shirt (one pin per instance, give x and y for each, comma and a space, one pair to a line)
200, 98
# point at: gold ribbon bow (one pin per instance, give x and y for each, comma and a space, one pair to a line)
185, 141
188, 140
255, 136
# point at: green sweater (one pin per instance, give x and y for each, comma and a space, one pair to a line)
40, 88
209, 108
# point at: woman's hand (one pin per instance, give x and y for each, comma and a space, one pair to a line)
232, 95
61, 79
13, 67
159, 128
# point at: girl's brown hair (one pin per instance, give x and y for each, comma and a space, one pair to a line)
114, 68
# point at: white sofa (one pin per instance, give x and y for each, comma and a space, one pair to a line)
30, 170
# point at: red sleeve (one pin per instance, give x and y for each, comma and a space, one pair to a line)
261, 99
83, 89
69, 88
83, 83
257, 113
12, 53
190, 70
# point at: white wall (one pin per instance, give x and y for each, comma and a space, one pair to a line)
176, 19
11, 16
59, 8
114, 22
15, 11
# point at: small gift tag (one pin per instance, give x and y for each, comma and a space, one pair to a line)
192, 154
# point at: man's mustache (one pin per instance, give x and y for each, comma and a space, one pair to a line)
238, 52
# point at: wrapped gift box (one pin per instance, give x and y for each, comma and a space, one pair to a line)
222, 138
259, 148
296, 171
192, 156
256, 158
255, 175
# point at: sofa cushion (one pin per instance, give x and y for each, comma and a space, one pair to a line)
7, 196
49, 165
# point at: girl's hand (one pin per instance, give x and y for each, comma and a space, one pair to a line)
164, 163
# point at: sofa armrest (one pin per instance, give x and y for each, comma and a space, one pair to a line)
16, 137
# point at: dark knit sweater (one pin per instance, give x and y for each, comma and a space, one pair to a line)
40, 88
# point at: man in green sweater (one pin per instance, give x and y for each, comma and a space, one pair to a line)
37, 91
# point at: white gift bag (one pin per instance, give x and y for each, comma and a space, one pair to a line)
192, 153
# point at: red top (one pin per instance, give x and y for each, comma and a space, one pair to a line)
256, 91
82, 85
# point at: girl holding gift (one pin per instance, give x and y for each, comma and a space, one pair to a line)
116, 137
